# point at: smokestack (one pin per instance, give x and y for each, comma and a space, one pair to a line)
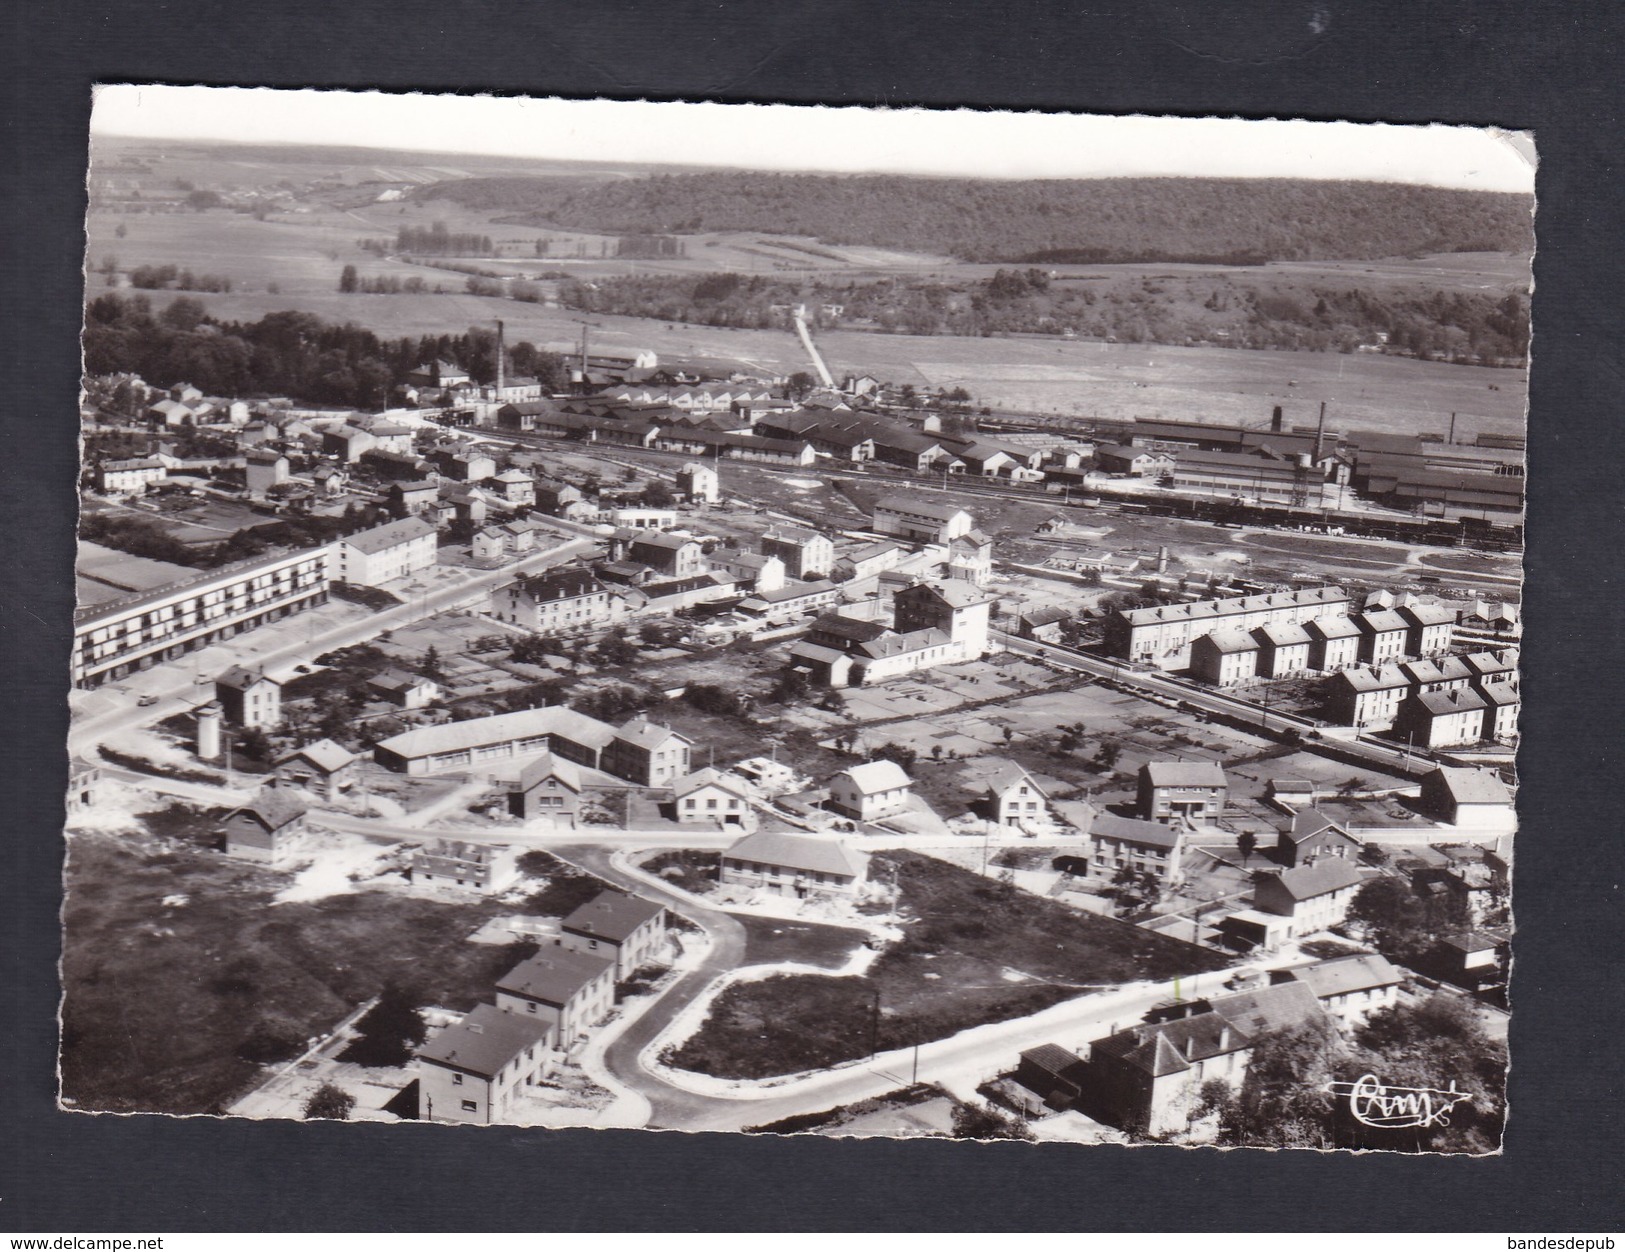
208, 731
1275, 420
502, 362
1320, 430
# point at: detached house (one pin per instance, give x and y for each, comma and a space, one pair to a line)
627, 929
648, 754
1182, 791
549, 786
564, 990
1126, 843
271, 829
1474, 799
322, 767
709, 795
806, 553
403, 690
475, 1072
870, 791
1014, 798
1312, 837
1312, 897
248, 697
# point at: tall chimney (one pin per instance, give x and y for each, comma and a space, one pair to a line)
1320, 430
502, 362
1275, 420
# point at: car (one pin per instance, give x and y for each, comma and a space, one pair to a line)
146, 702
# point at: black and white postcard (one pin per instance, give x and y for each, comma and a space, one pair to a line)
789, 620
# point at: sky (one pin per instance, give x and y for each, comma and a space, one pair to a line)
848, 140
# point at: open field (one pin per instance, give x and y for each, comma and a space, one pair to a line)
771, 940
170, 995
302, 254
962, 962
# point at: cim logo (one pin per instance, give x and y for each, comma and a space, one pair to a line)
1396, 1108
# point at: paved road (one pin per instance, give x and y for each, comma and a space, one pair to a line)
176, 684
670, 1106
1397, 760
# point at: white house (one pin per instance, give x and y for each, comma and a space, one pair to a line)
873, 790
384, 553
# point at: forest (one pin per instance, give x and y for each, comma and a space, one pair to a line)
1241, 312
1230, 221
290, 354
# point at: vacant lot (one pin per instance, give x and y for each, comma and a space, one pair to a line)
977, 950
770, 940
173, 1000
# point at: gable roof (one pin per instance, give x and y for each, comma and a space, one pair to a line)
240, 678
1309, 823
1332, 626
324, 754
1443, 703
549, 766
611, 915
1269, 1009
919, 506
1467, 785
554, 975
647, 734
1184, 773
398, 680
485, 1041
275, 807
708, 777
873, 777
1171, 1047
1320, 878
801, 852
1007, 774
1341, 975
1133, 830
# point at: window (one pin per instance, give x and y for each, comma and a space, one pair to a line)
469, 1106
457, 1080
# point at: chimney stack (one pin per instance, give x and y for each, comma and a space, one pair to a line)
1275, 421
502, 362
1320, 430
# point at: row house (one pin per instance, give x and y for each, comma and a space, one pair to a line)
1162, 635
627, 929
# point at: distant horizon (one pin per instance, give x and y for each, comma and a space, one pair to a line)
851, 141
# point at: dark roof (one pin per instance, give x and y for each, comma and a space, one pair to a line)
847, 627
921, 506
611, 915
559, 584
1307, 881
1133, 830
1308, 823
1171, 1047
485, 1040
1269, 1009
553, 976
275, 808
239, 678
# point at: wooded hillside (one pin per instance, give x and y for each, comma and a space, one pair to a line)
1084, 221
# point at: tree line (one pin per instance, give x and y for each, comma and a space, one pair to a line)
286, 353
1247, 311
1241, 220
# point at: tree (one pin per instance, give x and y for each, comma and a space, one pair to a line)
329, 1103
799, 385
1109, 752
904, 756
975, 1121
388, 1032
657, 495
1246, 844
348, 280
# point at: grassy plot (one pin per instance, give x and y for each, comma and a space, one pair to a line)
174, 1000
977, 951
770, 940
